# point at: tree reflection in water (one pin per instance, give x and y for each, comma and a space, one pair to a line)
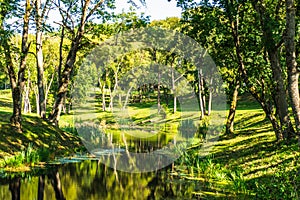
92, 180
15, 187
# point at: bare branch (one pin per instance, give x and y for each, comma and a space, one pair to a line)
66, 26
94, 9
66, 16
46, 9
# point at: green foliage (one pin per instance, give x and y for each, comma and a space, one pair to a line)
28, 157
248, 164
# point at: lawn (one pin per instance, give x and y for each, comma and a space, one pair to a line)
249, 164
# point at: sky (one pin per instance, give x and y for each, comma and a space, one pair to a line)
156, 9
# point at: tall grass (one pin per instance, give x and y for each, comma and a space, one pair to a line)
27, 157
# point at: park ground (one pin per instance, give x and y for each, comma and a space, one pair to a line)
247, 164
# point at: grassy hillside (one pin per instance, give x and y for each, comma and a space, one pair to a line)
38, 137
249, 164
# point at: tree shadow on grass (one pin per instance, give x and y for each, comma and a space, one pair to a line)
37, 132
245, 122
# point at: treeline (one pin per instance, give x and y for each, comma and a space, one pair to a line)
28, 41
255, 45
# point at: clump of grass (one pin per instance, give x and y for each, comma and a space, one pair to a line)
206, 168
27, 157
70, 129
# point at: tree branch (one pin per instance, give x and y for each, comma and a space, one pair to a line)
94, 9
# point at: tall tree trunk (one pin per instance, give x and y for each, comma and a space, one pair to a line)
232, 110
36, 94
103, 98
203, 94
40, 60
54, 116
18, 82
174, 90
279, 88
210, 96
293, 73
48, 86
27, 106
127, 97
158, 90
200, 94
111, 100
280, 96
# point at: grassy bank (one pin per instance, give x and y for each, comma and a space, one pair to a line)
40, 141
249, 164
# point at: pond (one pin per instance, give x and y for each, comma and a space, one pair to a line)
89, 179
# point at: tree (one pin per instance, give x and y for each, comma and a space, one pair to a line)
17, 81
256, 48
77, 23
84, 12
290, 49
272, 47
208, 25
39, 21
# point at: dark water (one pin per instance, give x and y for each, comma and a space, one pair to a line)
90, 179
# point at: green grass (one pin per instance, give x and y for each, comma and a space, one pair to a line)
39, 137
249, 164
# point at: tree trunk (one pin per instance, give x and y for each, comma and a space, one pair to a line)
66, 74
127, 97
210, 96
62, 90
15, 189
280, 96
203, 94
200, 94
39, 60
48, 87
27, 106
41, 186
158, 90
18, 83
232, 110
293, 73
174, 90
55, 181
103, 98
111, 98
36, 94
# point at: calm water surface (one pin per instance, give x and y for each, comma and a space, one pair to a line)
90, 179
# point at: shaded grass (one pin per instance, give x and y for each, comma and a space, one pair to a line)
37, 133
265, 168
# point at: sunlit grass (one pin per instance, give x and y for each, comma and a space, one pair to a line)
38, 136
250, 163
